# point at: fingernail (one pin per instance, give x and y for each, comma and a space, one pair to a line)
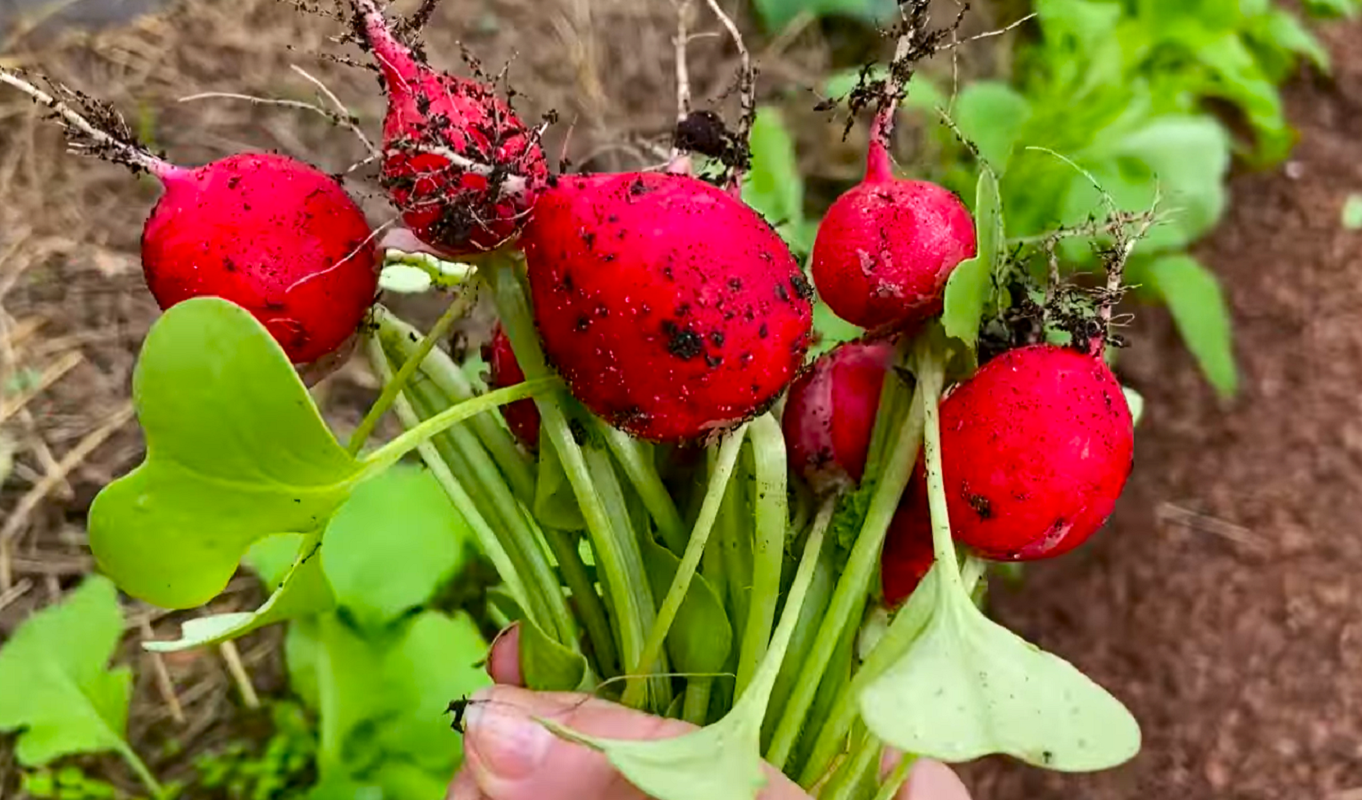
507, 743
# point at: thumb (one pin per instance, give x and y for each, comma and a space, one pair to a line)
510, 756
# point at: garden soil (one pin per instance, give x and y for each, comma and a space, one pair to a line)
1222, 605
1225, 603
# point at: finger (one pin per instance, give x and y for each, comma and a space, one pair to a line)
503, 658
513, 757
464, 787
932, 780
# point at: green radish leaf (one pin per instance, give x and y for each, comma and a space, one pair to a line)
506, 603
404, 279
547, 665
392, 544
58, 691
992, 115
967, 687
1285, 30
721, 761
1199, 310
236, 451
830, 330
773, 185
1135, 401
1352, 212
1329, 9
301, 591
555, 505
700, 637
1189, 159
971, 283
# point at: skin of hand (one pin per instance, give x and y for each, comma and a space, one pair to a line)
508, 756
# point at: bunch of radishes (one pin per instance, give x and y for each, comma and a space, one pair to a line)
679, 321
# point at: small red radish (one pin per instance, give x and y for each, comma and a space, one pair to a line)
522, 417
671, 309
830, 413
908, 552
457, 162
274, 235
885, 248
277, 237
1035, 449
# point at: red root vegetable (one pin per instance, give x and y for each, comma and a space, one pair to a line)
830, 413
671, 309
277, 237
886, 247
908, 552
522, 417
457, 162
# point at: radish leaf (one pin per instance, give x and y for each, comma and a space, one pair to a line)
301, 591
370, 542
971, 283
968, 687
236, 451
547, 665
1202, 316
59, 694
701, 635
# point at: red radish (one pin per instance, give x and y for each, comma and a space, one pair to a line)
830, 413
277, 237
522, 417
457, 162
671, 309
1035, 449
908, 553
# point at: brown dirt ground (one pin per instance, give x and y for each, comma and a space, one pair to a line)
1223, 604
1217, 607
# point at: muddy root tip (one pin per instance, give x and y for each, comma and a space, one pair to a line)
394, 58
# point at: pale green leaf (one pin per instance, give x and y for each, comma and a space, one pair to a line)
1352, 212
967, 688
59, 694
1135, 401
301, 591
992, 114
701, 635
971, 283
404, 279
1287, 32
392, 544
830, 330
236, 451
1189, 158
1194, 298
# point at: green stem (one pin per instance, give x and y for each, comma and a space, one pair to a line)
772, 514
401, 339
458, 307
633, 457
696, 708
458, 274
858, 763
393, 451
590, 611
908, 624
855, 582
547, 606
732, 531
143, 773
897, 778
943, 545
617, 552
685, 571
454, 490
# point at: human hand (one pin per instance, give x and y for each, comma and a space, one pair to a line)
509, 756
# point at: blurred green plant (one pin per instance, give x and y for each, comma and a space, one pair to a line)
1141, 96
